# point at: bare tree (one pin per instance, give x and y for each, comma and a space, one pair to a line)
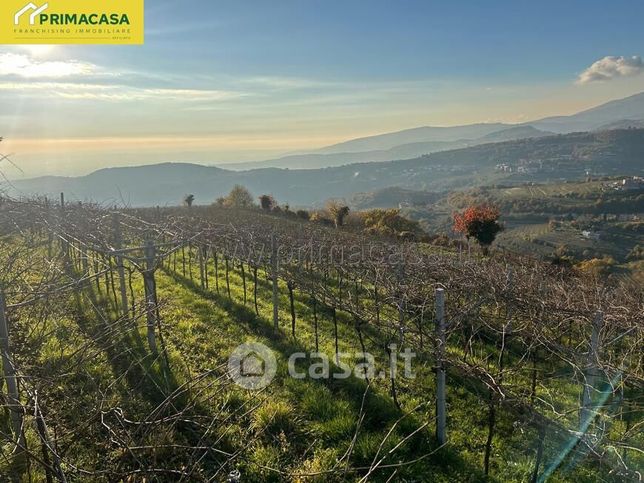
338, 212
188, 200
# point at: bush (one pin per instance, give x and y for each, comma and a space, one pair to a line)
267, 202
338, 212
480, 222
597, 266
390, 223
239, 197
318, 217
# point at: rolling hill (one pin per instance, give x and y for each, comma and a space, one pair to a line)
549, 158
410, 143
631, 108
402, 151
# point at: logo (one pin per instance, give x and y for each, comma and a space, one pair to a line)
252, 366
27, 8
72, 22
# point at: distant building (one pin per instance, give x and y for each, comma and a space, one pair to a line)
590, 235
527, 170
629, 184
634, 183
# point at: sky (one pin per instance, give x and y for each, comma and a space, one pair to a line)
228, 81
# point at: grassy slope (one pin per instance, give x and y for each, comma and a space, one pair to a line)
297, 426
528, 231
327, 413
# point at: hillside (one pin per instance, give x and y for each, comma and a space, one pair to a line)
419, 134
566, 157
581, 221
410, 143
402, 151
631, 107
361, 368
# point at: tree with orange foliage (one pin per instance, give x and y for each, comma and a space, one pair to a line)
480, 222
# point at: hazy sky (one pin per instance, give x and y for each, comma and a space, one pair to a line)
221, 81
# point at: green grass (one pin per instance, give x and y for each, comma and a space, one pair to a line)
294, 427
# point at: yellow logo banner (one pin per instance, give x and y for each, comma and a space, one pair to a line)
71, 21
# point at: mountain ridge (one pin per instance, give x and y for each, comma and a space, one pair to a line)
564, 156
428, 139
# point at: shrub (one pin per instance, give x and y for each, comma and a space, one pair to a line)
267, 202
597, 266
188, 200
318, 217
239, 197
338, 212
390, 223
480, 222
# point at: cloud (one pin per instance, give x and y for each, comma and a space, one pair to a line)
24, 66
287, 82
124, 93
115, 92
612, 67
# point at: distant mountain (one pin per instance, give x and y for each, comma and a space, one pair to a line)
560, 157
415, 142
513, 133
624, 124
628, 108
415, 135
403, 151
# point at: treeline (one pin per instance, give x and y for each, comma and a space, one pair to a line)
378, 222
587, 203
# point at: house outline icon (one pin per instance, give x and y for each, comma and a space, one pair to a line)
252, 365
32, 18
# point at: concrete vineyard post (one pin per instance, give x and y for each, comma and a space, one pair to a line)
9, 372
441, 410
591, 373
274, 275
150, 294
118, 244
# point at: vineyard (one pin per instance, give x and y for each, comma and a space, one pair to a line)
116, 327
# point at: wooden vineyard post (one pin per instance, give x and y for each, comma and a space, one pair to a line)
150, 294
202, 277
400, 274
255, 289
118, 244
190, 260
291, 299
9, 372
314, 303
274, 273
227, 265
206, 255
587, 405
64, 243
334, 313
441, 411
243, 277
215, 262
